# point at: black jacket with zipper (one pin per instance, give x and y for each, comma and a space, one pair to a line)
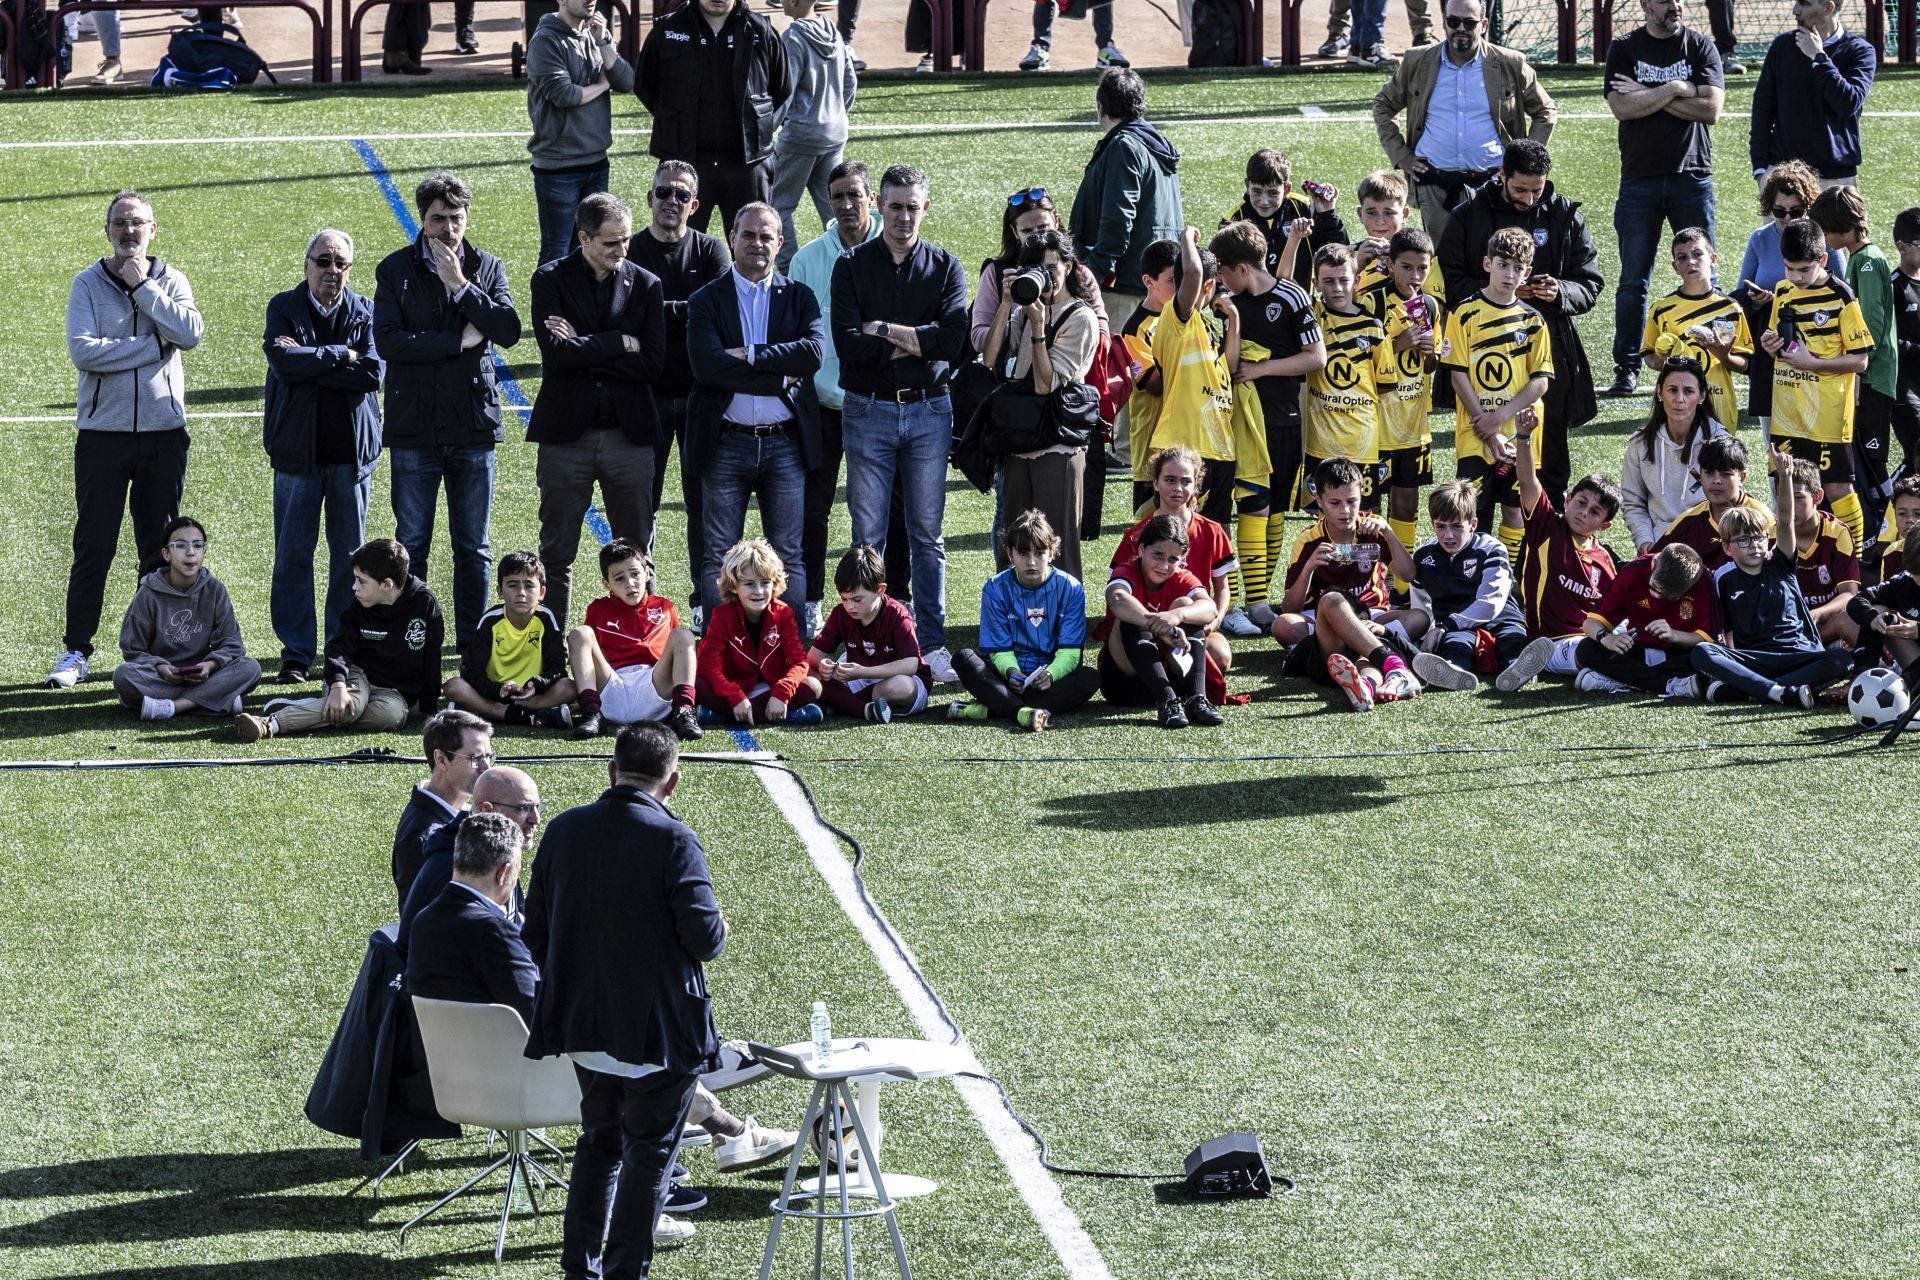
438, 395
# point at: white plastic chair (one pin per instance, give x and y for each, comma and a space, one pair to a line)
481, 1076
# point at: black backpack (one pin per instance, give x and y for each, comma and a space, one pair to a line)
204, 47
1216, 34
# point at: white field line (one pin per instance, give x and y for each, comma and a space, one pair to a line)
1017, 1152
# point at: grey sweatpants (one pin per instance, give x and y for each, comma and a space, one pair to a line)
213, 696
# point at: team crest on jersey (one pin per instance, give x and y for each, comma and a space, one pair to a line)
1363, 344
1470, 566
655, 616
1686, 610
417, 635
1826, 576
1036, 615
1540, 237
1819, 317
1274, 310
868, 646
771, 638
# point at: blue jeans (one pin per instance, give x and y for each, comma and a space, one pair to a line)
1679, 200
1754, 671
416, 475
297, 500
1369, 24
1044, 14
881, 438
557, 195
739, 467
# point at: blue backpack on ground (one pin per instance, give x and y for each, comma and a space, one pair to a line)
201, 53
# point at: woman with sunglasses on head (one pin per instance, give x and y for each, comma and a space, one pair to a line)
1786, 192
1027, 212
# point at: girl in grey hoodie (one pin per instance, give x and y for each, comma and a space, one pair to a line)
813, 129
180, 641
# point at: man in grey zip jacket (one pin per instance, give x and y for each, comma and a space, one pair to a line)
572, 68
813, 126
129, 316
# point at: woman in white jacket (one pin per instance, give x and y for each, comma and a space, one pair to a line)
1659, 478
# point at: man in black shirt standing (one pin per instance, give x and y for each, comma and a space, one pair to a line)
900, 323
714, 77
685, 260
1665, 87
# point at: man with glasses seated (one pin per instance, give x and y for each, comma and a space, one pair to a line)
129, 316
322, 436
466, 943
500, 790
459, 747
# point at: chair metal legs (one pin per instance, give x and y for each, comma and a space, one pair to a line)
380, 1177
522, 1169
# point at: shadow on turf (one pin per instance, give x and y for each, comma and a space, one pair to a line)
1202, 803
320, 1265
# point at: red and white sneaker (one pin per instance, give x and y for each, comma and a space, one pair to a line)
1351, 683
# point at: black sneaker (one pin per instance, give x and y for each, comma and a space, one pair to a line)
519, 715
685, 724
1200, 711
1172, 716
559, 717
292, 673
685, 1199
587, 726
465, 41
1625, 382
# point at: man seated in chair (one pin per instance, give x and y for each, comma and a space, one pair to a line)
465, 943
502, 789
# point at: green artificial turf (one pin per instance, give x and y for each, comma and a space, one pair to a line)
1524, 986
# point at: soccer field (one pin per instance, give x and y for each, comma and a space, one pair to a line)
1521, 986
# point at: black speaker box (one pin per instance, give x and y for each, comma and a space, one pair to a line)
1230, 1165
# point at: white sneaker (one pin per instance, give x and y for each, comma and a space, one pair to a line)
670, 1232
1399, 685
109, 72
1685, 687
753, 1148
699, 614
68, 670
1037, 57
925, 65
1441, 674
1261, 615
1526, 667
1587, 680
940, 662
1238, 625
156, 708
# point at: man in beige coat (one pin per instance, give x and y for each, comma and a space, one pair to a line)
1464, 99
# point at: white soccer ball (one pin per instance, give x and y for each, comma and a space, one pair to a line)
1878, 697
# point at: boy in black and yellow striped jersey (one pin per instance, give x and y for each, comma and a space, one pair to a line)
1342, 400
1697, 320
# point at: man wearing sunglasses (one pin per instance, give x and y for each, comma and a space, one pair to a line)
1666, 86
322, 436
1812, 88
1465, 99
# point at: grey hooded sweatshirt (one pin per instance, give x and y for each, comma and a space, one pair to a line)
127, 344
166, 624
815, 122
562, 64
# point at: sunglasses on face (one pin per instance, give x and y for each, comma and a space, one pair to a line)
1032, 195
1462, 24
679, 195
1782, 211
327, 260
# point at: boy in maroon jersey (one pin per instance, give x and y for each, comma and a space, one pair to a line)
1565, 571
632, 660
1903, 510
1828, 569
1722, 474
1334, 614
1638, 634
881, 674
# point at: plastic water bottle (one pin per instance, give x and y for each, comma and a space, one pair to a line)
822, 1036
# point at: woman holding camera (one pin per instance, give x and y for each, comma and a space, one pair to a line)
1027, 213
1044, 337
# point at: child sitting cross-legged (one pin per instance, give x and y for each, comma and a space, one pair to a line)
1175, 473
753, 665
632, 659
1334, 614
180, 643
1772, 650
1033, 622
867, 657
1638, 635
1151, 651
1888, 616
1463, 581
514, 668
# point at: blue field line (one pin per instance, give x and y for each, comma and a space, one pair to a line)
509, 385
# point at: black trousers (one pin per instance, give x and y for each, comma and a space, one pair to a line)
108, 466
729, 185
673, 425
1631, 669
1153, 677
1720, 21
409, 24
1003, 701
850, 18
823, 491
629, 1128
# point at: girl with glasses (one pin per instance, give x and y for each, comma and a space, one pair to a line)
180, 642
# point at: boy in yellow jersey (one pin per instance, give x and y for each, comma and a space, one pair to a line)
1293, 227
1143, 406
1820, 345
513, 668
1384, 213
1415, 321
1497, 352
1196, 373
1342, 402
1698, 320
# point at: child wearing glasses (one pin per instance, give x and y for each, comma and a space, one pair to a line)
180, 644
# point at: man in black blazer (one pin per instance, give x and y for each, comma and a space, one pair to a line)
502, 789
755, 340
601, 324
465, 944
620, 918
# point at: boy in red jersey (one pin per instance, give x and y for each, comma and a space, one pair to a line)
631, 658
1722, 473
1175, 473
1566, 571
1828, 568
1334, 614
881, 674
1638, 635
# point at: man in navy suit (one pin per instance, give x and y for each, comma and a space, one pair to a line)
620, 918
601, 323
465, 944
755, 341
500, 790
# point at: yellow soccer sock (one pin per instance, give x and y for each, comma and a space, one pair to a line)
1406, 531
1847, 510
1250, 541
1276, 546
1511, 536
